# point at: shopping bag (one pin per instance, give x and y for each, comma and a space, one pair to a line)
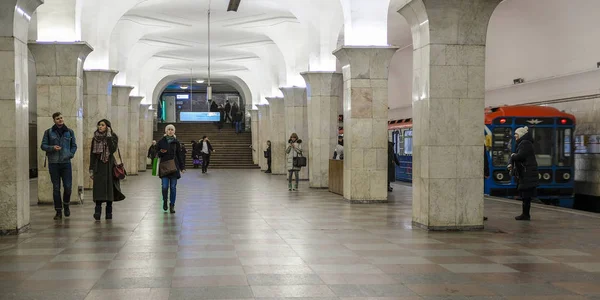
155, 167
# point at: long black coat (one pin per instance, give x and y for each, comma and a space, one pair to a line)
525, 164
392, 159
106, 187
173, 152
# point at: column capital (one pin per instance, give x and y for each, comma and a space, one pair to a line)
134, 102
144, 110
365, 62
294, 96
271, 100
124, 88
98, 82
59, 58
323, 83
448, 22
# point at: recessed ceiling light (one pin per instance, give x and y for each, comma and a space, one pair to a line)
183, 87
199, 81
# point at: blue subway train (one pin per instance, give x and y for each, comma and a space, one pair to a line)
552, 130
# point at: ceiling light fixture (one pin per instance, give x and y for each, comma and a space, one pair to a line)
233, 5
183, 87
199, 81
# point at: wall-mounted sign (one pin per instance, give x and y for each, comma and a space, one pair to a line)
183, 97
199, 116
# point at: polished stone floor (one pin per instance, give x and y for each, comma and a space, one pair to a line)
243, 235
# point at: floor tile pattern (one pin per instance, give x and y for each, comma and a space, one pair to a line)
242, 235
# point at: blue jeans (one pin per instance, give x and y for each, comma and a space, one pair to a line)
172, 184
238, 127
57, 172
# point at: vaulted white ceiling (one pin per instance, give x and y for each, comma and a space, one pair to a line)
267, 43
264, 46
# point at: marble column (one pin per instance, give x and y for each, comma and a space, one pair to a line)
144, 141
296, 120
365, 73
254, 129
277, 135
97, 105
264, 130
448, 104
150, 126
323, 92
59, 68
14, 103
120, 118
133, 141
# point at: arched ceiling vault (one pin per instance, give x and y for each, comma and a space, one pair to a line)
267, 42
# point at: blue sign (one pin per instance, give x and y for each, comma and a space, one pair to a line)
199, 116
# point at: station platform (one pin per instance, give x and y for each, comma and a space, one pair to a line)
240, 234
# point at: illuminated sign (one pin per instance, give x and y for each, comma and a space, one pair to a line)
199, 116
183, 97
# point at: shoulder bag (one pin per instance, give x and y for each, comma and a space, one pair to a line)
119, 169
168, 167
299, 160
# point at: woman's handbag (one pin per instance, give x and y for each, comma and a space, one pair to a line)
265, 154
119, 169
166, 168
299, 161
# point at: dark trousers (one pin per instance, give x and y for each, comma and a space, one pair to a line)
238, 126
57, 172
98, 208
526, 196
269, 165
205, 161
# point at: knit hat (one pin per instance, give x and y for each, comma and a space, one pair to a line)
522, 131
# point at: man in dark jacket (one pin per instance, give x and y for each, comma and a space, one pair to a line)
228, 112
60, 146
152, 151
524, 165
206, 150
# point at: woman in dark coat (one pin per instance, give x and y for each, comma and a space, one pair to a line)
392, 159
525, 169
106, 188
169, 148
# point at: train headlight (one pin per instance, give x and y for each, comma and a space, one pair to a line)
566, 176
499, 176
546, 176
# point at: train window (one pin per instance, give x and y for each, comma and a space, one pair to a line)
542, 145
563, 147
501, 146
408, 142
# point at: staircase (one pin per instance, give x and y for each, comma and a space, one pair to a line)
232, 151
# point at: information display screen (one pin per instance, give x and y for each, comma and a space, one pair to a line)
199, 116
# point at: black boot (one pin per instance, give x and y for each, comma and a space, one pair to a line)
525, 214
109, 210
98, 211
165, 207
67, 210
172, 208
58, 215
